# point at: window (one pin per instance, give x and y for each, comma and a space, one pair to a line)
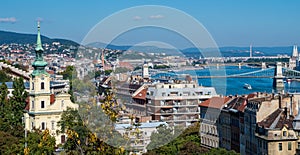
32, 125
298, 145
289, 146
43, 125
42, 104
42, 85
32, 85
280, 146
53, 125
63, 139
62, 103
32, 104
284, 133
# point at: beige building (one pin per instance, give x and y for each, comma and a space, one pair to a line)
275, 134
43, 108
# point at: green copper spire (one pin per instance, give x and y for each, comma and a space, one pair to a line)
39, 64
38, 41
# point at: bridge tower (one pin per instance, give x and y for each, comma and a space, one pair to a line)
278, 77
263, 65
293, 59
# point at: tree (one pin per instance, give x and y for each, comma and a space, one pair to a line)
3, 98
4, 77
69, 73
220, 151
40, 142
9, 144
188, 142
18, 102
12, 109
80, 140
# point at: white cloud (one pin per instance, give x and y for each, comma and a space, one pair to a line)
8, 20
137, 18
156, 16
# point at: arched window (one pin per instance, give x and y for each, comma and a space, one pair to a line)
42, 85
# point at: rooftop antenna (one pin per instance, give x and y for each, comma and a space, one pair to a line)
250, 51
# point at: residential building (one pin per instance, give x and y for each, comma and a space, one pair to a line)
230, 123
275, 134
176, 102
209, 116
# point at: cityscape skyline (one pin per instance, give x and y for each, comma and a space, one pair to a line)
230, 23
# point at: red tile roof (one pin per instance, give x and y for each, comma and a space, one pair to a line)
215, 102
141, 95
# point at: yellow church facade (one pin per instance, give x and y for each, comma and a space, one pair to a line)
44, 109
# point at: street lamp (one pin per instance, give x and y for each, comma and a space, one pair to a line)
25, 132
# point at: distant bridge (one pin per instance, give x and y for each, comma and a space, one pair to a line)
263, 73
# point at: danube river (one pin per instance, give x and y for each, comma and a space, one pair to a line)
233, 86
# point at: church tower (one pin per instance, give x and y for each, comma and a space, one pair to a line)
43, 108
39, 80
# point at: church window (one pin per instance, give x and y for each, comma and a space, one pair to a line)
63, 138
42, 85
42, 104
43, 125
53, 125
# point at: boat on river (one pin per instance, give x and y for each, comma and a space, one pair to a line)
247, 86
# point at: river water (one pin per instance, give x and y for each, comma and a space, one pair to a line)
234, 86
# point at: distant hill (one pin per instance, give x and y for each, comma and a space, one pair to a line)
229, 51
20, 38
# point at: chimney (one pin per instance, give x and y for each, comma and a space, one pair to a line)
298, 107
291, 105
286, 113
279, 100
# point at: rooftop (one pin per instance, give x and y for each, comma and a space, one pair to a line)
215, 102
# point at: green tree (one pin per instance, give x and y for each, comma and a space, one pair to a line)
9, 144
40, 142
220, 151
80, 140
188, 142
4, 77
69, 73
18, 102
12, 111
3, 98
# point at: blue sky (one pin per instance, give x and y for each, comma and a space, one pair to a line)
230, 22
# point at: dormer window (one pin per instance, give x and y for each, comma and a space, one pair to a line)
284, 133
42, 85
